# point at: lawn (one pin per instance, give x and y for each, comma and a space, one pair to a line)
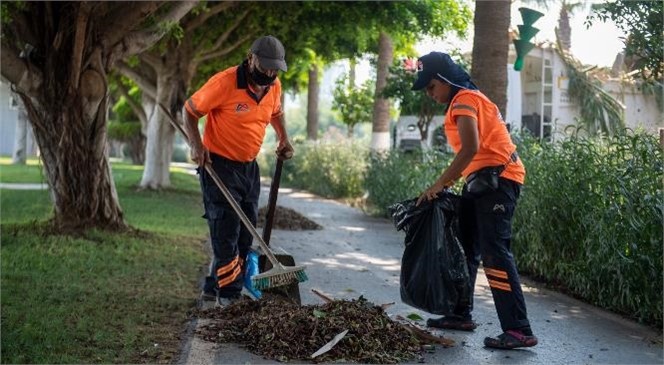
99, 297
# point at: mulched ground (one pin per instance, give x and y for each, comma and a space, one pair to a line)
287, 219
279, 330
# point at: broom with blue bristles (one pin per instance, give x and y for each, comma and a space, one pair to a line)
278, 275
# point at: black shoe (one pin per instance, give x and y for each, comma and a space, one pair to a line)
452, 323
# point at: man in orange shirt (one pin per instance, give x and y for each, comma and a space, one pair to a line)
494, 174
239, 103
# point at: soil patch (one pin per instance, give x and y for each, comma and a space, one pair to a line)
281, 330
287, 219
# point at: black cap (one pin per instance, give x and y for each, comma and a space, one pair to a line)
270, 52
440, 65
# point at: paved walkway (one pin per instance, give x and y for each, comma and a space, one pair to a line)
359, 255
23, 186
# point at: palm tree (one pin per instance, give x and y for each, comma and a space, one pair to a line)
564, 30
490, 49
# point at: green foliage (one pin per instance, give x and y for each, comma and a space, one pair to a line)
100, 297
353, 104
590, 220
332, 170
8, 10
397, 176
643, 22
399, 84
124, 131
172, 30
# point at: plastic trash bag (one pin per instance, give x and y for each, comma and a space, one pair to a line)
434, 273
251, 270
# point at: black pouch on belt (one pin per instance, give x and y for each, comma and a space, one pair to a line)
484, 180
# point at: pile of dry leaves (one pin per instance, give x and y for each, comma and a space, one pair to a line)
280, 330
287, 219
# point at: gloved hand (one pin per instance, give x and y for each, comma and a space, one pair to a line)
251, 270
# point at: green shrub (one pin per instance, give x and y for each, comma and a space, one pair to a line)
590, 219
332, 170
397, 176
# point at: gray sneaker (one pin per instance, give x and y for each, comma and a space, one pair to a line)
223, 302
208, 296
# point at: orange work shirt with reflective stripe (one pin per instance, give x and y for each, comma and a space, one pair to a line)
236, 119
495, 144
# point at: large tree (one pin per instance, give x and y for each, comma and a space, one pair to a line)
490, 49
215, 35
57, 56
165, 73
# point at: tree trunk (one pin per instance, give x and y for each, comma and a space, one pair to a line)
71, 133
58, 54
21, 137
312, 103
564, 31
351, 72
160, 135
490, 49
351, 131
380, 131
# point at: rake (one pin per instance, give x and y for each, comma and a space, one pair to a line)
278, 275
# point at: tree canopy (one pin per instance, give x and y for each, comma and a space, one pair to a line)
643, 22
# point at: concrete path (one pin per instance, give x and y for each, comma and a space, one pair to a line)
23, 186
359, 255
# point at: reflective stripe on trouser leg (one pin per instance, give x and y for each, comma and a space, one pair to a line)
224, 234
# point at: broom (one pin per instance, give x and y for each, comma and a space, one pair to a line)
278, 275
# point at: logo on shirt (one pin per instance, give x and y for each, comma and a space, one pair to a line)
242, 108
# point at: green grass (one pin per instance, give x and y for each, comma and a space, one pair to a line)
31, 172
100, 297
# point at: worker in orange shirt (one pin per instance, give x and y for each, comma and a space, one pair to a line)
487, 159
239, 103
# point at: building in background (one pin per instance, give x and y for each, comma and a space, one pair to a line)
538, 98
14, 124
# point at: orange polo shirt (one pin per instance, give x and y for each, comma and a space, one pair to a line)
495, 145
236, 119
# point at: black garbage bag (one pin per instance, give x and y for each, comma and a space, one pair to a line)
434, 273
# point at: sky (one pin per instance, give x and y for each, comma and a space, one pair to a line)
597, 45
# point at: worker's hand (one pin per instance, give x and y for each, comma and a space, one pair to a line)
285, 150
431, 193
200, 154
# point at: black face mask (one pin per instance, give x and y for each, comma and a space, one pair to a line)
261, 78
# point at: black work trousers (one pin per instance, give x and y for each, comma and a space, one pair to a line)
485, 224
229, 238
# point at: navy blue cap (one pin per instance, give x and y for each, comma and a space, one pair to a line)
440, 65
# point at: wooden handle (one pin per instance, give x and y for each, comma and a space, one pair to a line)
272, 202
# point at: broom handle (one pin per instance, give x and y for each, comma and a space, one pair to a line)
227, 194
272, 202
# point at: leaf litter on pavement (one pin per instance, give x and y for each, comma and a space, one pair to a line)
278, 329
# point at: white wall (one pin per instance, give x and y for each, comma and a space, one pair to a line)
8, 119
641, 110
